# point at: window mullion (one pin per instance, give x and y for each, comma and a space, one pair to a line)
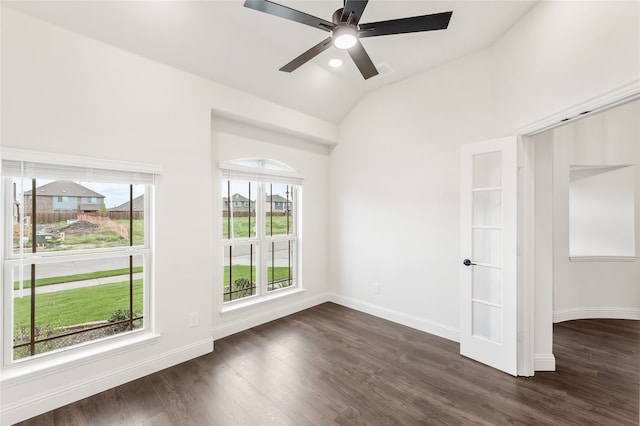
261, 269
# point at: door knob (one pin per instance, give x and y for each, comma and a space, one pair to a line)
467, 262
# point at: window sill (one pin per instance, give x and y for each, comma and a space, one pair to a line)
243, 305
46, 364
603, 258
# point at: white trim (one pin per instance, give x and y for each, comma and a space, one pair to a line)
258, 171
77, 161
431, 327
526, 284
561, 315
544, 362
604, 101
603, 258
248, 303
526, 249
230, 326
51, 398
24, 371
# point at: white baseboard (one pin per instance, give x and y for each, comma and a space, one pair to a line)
544, 362
52, 398
440, 330
230, 326
569, 314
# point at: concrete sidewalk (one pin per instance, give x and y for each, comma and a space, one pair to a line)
77, 284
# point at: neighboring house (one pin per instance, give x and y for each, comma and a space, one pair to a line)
277, 204
63, 196
138, 205
239, 203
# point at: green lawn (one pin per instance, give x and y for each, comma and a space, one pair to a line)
77, 306
240, 226
138, 230
78, 277
242, 272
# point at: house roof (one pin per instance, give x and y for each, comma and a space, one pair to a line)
277, 198
65, 188
236, 197
138, 205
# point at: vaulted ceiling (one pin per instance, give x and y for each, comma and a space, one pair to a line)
243, 48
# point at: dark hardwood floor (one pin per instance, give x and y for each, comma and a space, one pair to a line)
332, 365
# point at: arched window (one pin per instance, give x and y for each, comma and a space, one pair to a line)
260, 221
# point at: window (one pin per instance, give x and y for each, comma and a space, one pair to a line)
76, 277
260, 241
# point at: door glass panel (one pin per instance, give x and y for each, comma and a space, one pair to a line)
487, 208
487, 322
487, 170
487, 246
487, 284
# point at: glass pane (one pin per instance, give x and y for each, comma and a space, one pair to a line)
121, 213
73, 215
238, 209
76, 301
487, 284
487, 246
279, 209
487, 322
239, 275
487, 170
21, 323
487, 208
280, 260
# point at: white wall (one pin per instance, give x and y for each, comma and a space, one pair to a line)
594, 289
394, 182
395, 173
65, 93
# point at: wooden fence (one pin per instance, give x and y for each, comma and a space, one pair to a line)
62, 217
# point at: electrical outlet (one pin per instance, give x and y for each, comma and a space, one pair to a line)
194, 320
375, 287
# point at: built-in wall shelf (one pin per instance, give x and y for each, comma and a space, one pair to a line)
603, 258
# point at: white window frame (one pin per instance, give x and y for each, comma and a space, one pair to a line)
73, 164
261, 172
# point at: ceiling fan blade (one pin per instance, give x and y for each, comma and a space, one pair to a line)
355, 6
436, 21
285, 12
308, 55
362, 61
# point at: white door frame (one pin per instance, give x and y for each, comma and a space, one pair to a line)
528, 362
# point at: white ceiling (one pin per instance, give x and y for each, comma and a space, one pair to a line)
243, 48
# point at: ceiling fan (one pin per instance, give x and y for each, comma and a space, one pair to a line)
346, 31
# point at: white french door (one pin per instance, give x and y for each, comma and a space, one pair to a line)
488, 280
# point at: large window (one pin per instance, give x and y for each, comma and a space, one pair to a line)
76, 275
260, 216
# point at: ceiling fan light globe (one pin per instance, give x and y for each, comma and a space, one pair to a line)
345, 37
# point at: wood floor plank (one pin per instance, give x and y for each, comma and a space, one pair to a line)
331, 365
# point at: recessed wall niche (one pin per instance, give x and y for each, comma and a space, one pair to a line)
601, 211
